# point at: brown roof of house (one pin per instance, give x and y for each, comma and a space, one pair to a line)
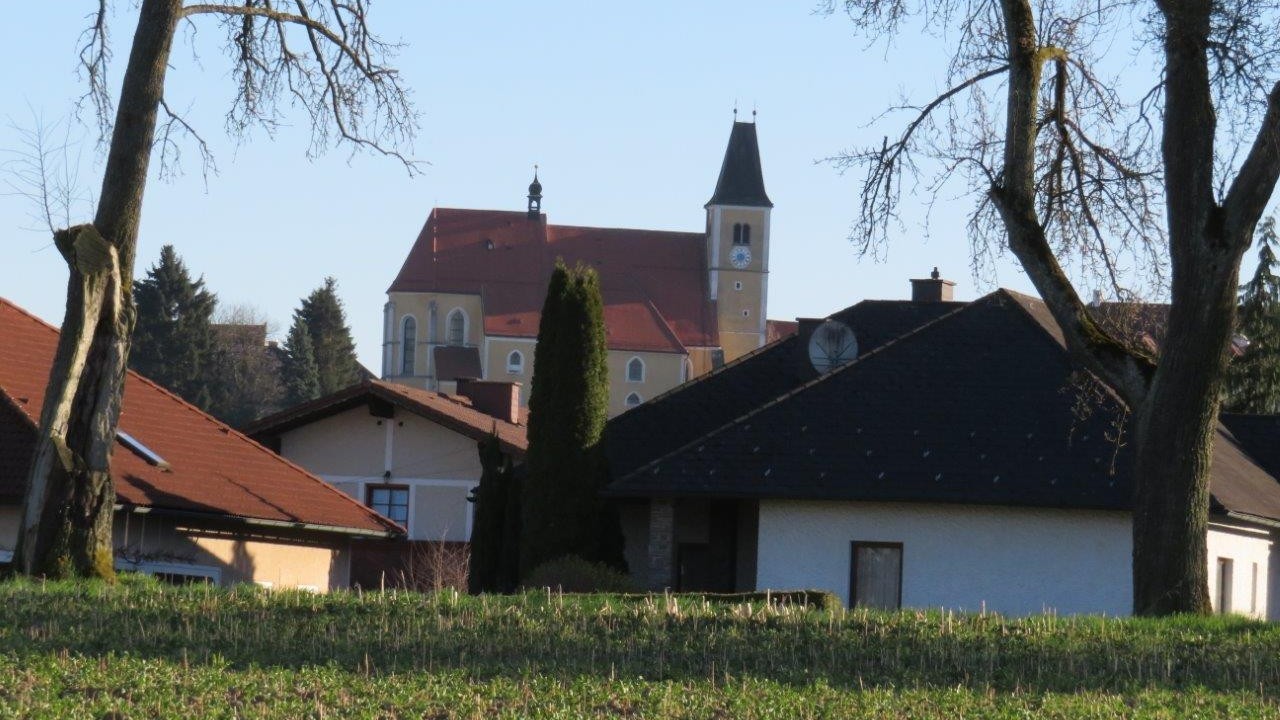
212, 469
778, 329
982, 405
451, 411
654, 282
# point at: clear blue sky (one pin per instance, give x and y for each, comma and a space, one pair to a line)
626, 108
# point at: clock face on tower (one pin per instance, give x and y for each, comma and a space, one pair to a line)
740, 256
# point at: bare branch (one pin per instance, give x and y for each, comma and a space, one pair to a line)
1256, 181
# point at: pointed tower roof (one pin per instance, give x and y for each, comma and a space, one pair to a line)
741, 180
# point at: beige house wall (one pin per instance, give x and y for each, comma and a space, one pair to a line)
354, 450
152, 543
352, 443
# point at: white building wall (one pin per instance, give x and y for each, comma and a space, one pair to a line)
1249, 553
1009, 560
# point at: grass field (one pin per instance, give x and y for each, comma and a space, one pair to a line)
141, 650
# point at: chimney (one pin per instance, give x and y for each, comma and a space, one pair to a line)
932, 288
499, 399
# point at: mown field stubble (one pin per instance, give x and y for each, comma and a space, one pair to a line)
139, 649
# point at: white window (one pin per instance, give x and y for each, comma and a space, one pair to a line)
635, 370
391, 501
409, 338
633, 400
515, 362
686, 370
457, 327
1223, 594
875, 575
737, 284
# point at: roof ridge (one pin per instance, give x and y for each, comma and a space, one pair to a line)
803, 387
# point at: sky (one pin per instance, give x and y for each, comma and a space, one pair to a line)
626, 108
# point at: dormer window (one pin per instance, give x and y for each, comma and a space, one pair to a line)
515, 362
741, 234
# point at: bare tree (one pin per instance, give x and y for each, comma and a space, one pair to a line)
1068, 169
317, 54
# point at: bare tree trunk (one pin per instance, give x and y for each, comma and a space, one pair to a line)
1174, 433
66, 519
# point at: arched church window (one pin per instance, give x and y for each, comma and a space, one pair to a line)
635, 370
515, 362
737, 233
746, 234
457, 327
633, 400
409, 344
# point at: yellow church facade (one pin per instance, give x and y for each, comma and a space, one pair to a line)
466, 302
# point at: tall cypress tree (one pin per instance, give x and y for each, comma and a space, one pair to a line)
172, 341
495, 530
335, 351
562, 511
1253, 380
298, 371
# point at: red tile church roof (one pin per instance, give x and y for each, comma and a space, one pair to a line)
654, 282
213, 470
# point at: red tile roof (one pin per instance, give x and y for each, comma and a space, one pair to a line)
654, 282
213, 469
452, 411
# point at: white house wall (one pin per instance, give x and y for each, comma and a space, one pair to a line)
1008, 560
1250, 554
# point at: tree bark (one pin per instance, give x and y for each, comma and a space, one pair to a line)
1176, 423
67, 515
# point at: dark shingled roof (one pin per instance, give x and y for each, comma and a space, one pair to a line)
1257, 435
456, 361
981, 406
741, 180
696, 408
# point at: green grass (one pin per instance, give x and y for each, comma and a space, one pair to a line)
141, 650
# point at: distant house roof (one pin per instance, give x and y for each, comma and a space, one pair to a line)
455, 361
212, 470
778, 329
981, 405
451, 411
741, 180
654, 282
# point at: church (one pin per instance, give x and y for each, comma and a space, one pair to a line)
467, 300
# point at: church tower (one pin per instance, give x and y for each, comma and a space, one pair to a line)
738, 244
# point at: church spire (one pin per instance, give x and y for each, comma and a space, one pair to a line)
741, 179
535, 196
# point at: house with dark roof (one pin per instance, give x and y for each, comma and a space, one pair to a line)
407, 453
195, 498
467, 301
951, 456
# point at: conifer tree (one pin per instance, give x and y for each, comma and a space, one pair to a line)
562, 511
1253, 380
335, 351
172, 341
298, 371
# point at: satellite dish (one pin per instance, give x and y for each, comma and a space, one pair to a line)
831, 345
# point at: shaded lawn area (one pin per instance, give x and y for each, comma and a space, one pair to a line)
139, 649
